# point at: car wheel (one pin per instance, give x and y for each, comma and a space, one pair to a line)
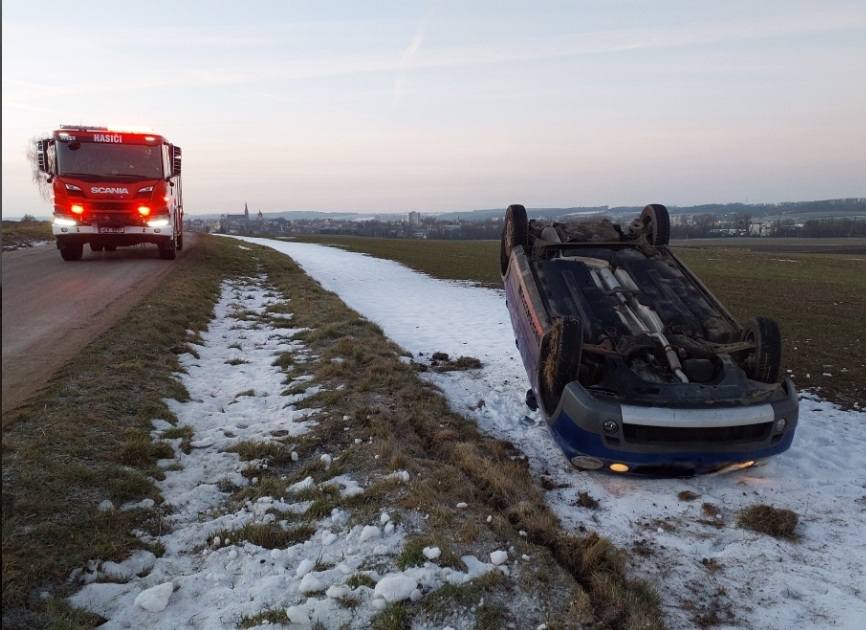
72, 251
765, 361
515, 232
168, 251
657, 224
560, 359
95, 247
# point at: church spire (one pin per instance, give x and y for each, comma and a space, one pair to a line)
246, 212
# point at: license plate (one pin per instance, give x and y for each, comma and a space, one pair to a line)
111, 230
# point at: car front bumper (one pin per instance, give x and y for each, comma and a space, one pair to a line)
596, 433
117, 235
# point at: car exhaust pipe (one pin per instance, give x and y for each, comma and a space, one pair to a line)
643, 318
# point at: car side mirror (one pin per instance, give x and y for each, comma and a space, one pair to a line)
42, 156
175, 161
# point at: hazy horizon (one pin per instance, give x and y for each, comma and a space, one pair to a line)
443, 107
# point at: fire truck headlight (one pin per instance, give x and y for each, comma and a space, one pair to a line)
144, 210
63, 222
157, 223
77, 208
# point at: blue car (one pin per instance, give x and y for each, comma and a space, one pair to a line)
636, 366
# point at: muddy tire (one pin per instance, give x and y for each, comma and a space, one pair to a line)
169, 250
72, 251
560, 360
657, 224
765, 361
515, 232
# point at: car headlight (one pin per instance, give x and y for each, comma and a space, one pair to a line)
64, 222
157, 223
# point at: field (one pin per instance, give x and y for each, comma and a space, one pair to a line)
818, 298
22, 233
855, 246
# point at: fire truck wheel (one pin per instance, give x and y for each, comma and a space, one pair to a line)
73, 251
168, 251
111, 248
94, 247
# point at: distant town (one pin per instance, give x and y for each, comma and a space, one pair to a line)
829, 218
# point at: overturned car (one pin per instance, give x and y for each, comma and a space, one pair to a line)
637, 367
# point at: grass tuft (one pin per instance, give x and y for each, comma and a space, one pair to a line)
393, 617
766, 519
268, 535
360, 579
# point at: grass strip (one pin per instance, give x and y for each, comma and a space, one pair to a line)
85, 439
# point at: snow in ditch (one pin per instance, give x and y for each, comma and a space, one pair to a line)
201, 582
815, 582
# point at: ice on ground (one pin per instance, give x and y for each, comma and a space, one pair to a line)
395, 588
155, 599
432, 553
769, 583
498, 557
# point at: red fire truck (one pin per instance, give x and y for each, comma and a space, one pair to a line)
113, 188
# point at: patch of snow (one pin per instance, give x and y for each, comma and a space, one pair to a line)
395, 587
105, 506
155, 599
432, 553
304, 567
399, 475
311, 584
498, 557
369, 532
144, 504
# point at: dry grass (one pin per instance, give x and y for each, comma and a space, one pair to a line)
766, 519
23, 233
274, 616
84, 439
267, 535
584, 499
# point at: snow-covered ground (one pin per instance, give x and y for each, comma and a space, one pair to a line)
203, 582
817, 581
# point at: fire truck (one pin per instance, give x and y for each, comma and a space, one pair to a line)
113, 188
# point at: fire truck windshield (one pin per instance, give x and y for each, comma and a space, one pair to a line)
94, 160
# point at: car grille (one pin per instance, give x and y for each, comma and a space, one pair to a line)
641, 434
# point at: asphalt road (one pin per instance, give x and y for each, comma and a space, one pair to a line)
52, 308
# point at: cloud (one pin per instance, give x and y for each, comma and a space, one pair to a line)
407, 60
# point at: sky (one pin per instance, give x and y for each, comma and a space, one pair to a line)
439, 106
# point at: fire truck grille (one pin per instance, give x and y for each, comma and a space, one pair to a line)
111, 206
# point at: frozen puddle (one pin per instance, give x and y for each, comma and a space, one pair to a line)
200, 582
698, 563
